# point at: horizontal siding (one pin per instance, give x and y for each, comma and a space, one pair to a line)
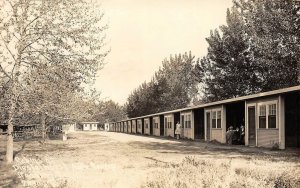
216, 134
147, 131
188, 133
170, 132
156, 131
267, 137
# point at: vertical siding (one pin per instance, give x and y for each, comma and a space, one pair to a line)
267, 137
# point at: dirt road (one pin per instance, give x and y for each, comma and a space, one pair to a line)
107, 159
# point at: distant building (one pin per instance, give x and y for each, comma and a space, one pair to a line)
90, 126
107, 127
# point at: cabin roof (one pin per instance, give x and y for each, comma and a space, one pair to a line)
236, 99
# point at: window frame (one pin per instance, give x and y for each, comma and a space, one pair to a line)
267, 113
217, 111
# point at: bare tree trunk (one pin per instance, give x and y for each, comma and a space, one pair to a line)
10, 128
43, 123
13, 92
10, 141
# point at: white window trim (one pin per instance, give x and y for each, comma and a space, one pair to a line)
211, 118
267, 113
169, 120
185, 118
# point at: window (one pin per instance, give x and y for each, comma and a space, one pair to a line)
272, 116
166, 122
155, 123
219, 119
262, 116
187, 121
214, 118
169, 123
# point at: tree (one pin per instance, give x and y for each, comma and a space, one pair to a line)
173, 86
253, 52
61, 35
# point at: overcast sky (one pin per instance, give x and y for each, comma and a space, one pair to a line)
144, 32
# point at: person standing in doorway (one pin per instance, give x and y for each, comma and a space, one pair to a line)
178, 130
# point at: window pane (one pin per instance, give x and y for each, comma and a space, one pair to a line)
272, 109
262, 110
272, 121
262, 121
219, 115
213, 123
214, 115
218, 123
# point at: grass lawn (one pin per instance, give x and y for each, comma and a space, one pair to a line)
105, 159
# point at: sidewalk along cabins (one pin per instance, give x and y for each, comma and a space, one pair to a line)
90, 126
158, 125
271, 119
140, 126
147, 126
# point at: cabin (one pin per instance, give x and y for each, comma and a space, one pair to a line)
187, 124
90, 126
129, 127
133, 124
269, 119
140, 126
147, 126
125, 127
158, 125
71, 127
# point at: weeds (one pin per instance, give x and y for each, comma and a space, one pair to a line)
193, 172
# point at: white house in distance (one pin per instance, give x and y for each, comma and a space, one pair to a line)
69, 127
90, 126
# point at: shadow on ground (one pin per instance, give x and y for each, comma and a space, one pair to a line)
210, 150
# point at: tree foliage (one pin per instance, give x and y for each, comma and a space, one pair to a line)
48, 50
172, 86
258, 50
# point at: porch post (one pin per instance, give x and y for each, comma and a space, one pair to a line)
193, 124
205, 126
223, 123
281, 122
246, 125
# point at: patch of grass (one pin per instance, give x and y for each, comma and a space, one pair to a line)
193, 172
8, 178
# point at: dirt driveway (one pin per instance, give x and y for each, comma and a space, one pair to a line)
107, 159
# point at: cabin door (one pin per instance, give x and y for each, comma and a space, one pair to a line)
251, 126
208, 120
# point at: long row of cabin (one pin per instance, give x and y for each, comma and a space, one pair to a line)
270, 118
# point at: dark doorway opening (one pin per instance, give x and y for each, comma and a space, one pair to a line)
161, 124
199, 123
292, 119
142, 120
151, 125
235, 118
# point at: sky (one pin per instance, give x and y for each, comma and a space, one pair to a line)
142, 33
